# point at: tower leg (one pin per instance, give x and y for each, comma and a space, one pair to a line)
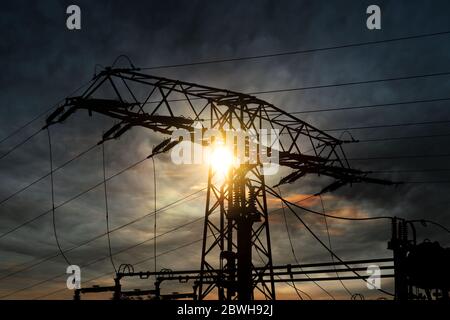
239, 238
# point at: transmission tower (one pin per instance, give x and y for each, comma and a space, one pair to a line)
236, 251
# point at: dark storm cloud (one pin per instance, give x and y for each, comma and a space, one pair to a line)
42, 62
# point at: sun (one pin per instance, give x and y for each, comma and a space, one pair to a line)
221, 159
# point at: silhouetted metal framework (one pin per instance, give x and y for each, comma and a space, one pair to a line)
285, 273
418, 266
240, 232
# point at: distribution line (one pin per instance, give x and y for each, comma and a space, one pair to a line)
105, 189
72, 198
295, 52
105, 257
351, 83
295, 255
47, 174
301, 89
273, 211
268, 56
410, 170
288, 204
383, 139
40, 115
111, 273
52, 191
331, 247
321, 49
425, 35
322, 110
151, 257
336, 129
332, 252
137, 163
342, 84
401, 103
370, 106
405, 137
392, 125
21, 143
163, 209
413, 156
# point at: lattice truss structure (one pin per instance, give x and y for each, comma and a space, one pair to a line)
236, 252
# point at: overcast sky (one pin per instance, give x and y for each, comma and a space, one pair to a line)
43, 62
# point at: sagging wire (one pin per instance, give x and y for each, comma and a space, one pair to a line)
127, 58
155, 212
53, 197
292, 285
295, 255
322, 243
108, 232
330, 246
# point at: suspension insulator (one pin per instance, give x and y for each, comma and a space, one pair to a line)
252, 198
404, 231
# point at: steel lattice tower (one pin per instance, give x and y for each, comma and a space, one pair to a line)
239, 236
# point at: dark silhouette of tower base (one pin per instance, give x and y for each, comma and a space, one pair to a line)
236, 230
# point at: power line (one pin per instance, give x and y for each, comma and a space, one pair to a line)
257, 57
369, 106
163, 209
267, 56
155, 215
38, 116
425, 221
72, 198
351, 83
333, 129
47, 174
332, 252
331, 247
146, 259
21, 143
383, 139
103, 258
415, 156
342, 84
53, 198
109, 273
295, 52
137, 163
405, 137
405, 124
294, 254
338, 129
107, 209
315, 110
330, 216
428, 182
273, 192
409, 170
295, 204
